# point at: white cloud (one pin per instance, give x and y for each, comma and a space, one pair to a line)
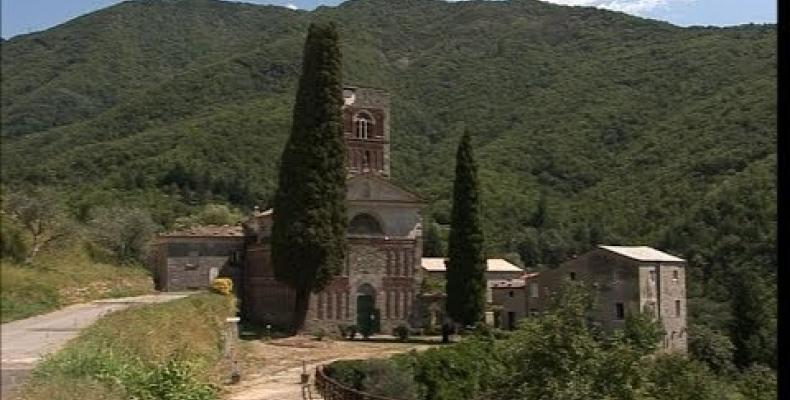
628, 6
638, 7
292, 6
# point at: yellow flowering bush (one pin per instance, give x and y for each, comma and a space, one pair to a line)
222, 286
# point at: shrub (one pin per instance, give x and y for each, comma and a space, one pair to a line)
375, 376
319, 334
218, 214
758, 382
402, 332
711, 347
366, 329
124, 233
222, 286
12, 241
342, 329
352, 332
454, 372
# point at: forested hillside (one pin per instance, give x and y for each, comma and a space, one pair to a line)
589, 126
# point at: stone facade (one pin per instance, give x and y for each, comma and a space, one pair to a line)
190, 262
384, 249
382, 275
624, 280
498, 270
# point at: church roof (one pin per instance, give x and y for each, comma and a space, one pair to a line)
642, 253
436, 264
370, 187
207, 231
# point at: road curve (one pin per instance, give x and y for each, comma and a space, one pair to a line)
26, 341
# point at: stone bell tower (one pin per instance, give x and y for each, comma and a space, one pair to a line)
366, 126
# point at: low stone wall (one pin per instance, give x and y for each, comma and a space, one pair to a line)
331, 389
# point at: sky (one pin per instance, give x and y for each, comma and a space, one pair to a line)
26, 16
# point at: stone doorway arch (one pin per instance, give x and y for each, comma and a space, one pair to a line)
368, 316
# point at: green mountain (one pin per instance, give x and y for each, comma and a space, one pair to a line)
626, 130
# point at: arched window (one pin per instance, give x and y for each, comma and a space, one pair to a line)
363, 126
364, 224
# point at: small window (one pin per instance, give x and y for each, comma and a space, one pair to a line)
619, 311
653, 276
533, 290
675, 275
510, 293
677, 308
572, 275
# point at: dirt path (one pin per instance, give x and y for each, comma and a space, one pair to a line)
271, 370
25, 341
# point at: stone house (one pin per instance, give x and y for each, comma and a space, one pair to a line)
515, 299
382, 274
190, 259
497, 270
624, 279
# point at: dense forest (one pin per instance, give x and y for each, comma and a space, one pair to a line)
589, 126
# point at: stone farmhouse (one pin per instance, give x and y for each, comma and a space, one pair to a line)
498, 270
624, 279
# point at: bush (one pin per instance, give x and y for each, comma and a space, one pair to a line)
351, 332
319, 334
758, 382
366, 330
12, 241
711, 347
402, 332
218, 214
222, 286
378, 377
124, 233
460, 371
342, 329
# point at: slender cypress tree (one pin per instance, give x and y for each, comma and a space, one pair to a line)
466, 263
752, 329
309, 222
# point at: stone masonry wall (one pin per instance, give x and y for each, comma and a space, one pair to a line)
673, 307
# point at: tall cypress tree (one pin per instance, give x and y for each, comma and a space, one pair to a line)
753, 328
309, 222
466, 284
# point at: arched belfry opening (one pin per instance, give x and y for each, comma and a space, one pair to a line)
363, 125
365, 224
366, 128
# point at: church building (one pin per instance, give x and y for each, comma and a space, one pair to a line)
382, 274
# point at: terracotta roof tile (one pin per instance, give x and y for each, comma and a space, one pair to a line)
208, 231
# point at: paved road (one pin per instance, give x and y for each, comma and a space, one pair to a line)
25, 341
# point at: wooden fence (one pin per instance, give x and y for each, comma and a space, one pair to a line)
331, 389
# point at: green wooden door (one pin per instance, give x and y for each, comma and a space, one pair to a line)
367, 315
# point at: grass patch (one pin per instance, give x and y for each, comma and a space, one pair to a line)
160, 351
63, 277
